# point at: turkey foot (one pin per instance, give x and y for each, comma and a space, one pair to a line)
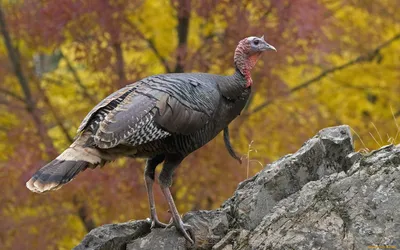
185, 229
176, 219
170, 223
182, 227
155, 223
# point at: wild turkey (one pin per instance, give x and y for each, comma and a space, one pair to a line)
162, 118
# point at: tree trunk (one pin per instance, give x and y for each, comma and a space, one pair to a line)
184, 8
120, 64
35, 114
29, 102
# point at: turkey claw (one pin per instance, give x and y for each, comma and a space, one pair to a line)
155, 223
186, 230
170, 224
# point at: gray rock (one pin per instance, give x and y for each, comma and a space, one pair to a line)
209, 227
324, 196
339, 211
160, 239
352, 158
322, 155
114, 236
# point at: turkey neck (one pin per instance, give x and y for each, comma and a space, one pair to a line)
234, 87
236, 94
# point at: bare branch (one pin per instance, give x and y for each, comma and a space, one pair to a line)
54, 112
4, 129
78, 80
52, 80
84, 213
12, 94
354, 86
29, 102
369, 56
14, 59
151, 44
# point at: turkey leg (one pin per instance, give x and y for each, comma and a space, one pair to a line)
178, 223
165, 180
149, 174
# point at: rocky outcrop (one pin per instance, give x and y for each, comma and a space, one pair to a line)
324, 196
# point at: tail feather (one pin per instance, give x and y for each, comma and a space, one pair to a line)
65, 167
55, 174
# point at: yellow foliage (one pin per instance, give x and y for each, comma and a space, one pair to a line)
363, 95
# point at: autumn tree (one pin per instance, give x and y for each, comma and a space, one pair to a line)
337, 63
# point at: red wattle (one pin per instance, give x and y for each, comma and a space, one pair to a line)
249, 80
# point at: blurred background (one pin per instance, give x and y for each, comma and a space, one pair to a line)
337, 63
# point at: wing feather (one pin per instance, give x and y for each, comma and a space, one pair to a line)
155, 108
116, 97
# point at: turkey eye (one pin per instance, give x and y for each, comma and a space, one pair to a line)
256, 42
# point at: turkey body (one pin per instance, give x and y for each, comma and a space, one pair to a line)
164, 114
162, 118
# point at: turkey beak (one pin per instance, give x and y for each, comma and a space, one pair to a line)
266, 46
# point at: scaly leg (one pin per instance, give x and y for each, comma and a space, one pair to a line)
178, 223
165, 179
149, 181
